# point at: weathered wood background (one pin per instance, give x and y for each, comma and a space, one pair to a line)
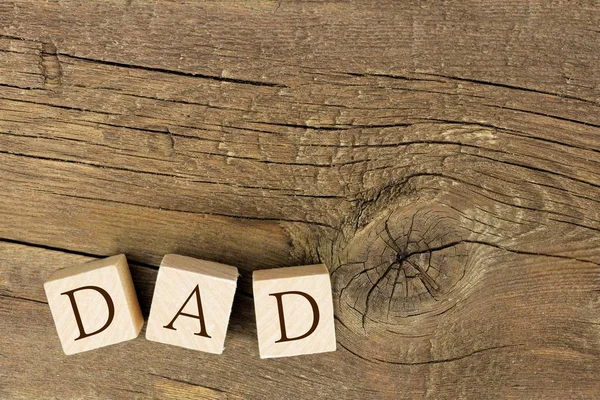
443, 160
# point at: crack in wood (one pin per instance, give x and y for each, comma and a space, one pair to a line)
453, 359
513, 87
174, 72
10, 296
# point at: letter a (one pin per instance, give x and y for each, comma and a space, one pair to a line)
200, 315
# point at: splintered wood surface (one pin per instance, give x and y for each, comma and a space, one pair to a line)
443, 161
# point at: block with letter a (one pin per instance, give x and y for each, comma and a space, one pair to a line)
192, 303
294, 311
94, 304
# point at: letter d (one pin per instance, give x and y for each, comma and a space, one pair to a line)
109, 303
315, 310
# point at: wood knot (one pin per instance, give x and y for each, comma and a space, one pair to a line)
50, 66
405, 263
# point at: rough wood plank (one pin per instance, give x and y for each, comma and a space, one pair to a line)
543, 332
442, 160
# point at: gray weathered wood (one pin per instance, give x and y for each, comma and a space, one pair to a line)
442, 160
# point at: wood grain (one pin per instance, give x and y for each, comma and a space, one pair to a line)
443, 160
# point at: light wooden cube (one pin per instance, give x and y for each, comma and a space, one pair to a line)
94, 304
192, 303
294, 311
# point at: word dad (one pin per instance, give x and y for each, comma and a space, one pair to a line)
95, 305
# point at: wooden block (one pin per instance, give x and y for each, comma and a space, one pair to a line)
94, 304
191, 303
294, 311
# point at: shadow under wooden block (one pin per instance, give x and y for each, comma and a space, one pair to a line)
294, 311
94, 304
191, 304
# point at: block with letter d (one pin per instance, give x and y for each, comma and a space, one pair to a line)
192, 303
94, 304
294, 311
